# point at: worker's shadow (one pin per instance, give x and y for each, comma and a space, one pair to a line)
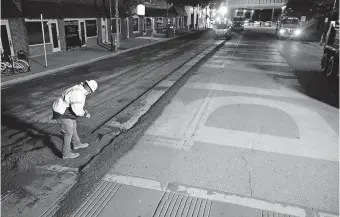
20, 137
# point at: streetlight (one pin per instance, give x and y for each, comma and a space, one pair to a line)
223, 10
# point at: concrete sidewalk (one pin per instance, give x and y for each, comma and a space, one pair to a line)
134, 196
66, 60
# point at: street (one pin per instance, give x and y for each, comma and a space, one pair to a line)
29, 134
256, 120
247, 124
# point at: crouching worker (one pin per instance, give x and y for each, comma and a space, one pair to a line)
67, 109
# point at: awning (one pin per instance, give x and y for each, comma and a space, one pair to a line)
180, 10
121, 12
9, 10
155, 12
78, 10
48, 8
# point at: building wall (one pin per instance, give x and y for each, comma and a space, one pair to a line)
99, 31
61, 27
37, 50
124, 28
130, 29
19, 35
92, 41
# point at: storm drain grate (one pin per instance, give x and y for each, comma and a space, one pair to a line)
178, 205
97, 200
265, 213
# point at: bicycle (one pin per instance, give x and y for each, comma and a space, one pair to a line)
13, 64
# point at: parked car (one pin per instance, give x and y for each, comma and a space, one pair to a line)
268, 24
246, 23
330, 58
222, 31
257, 23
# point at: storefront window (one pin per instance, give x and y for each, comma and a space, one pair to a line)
34, 33
148, 23
135, 24
114, 27
159, 23
91, 28
71, 29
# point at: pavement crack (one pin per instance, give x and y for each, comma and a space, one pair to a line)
249, 176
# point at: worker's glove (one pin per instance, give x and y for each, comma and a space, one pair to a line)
87, 114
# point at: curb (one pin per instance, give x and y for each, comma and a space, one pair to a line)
6, 84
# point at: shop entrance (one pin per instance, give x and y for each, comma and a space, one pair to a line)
55, 36
6, 40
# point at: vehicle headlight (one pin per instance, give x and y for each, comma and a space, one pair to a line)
282, 31
297, 32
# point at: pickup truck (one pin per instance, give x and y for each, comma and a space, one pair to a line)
222, 31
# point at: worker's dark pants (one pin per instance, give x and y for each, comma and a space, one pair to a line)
69, 130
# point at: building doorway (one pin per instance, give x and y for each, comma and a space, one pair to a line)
55, 36
82, 32
6, 40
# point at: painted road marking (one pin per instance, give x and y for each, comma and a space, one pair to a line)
251, 90
276, 60
205, 194
213, 65
186, 139
254, 62
314, 131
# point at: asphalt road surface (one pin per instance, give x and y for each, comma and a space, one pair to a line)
257, 119
28, 135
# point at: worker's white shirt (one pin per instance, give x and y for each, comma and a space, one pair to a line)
73, 97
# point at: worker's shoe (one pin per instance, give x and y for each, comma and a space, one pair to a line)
70, 155
83, 145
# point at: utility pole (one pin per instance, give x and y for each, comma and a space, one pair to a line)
117, 26
111, 36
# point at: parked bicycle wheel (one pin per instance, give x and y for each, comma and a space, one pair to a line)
5, 70
19, 67
24, 65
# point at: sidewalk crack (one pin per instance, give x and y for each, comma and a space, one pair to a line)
249, 176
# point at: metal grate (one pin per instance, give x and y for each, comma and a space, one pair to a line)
265, 213
97, 200
178, 205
